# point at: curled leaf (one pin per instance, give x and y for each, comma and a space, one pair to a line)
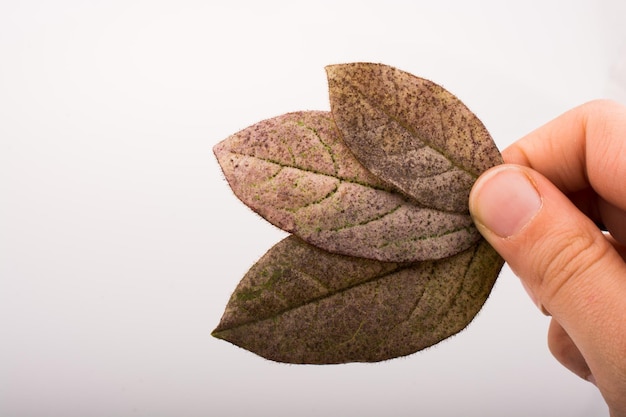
300, 304
295, 171
411, 133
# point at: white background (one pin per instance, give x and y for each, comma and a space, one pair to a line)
120, 242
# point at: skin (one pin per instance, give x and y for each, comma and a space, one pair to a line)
544, 211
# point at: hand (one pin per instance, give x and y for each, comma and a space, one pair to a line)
543, 211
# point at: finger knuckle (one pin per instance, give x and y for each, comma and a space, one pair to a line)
570, 258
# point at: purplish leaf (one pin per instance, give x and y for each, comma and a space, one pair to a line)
301, 304
411, 133
296, 172
389, 261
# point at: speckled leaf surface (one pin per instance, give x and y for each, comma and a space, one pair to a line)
301, 304
385, 259
296, 172
411, 133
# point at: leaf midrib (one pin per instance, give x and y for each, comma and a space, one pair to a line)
314, 300
413, 133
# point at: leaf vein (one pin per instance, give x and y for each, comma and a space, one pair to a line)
313, 171
326, 147
371, 220
431, 236
312, 203
315, 300
411, 131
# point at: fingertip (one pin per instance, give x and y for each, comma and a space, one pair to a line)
558, 252
504, 200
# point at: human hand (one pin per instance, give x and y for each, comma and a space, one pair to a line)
542, 211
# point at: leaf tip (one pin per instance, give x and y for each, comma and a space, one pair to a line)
218, 332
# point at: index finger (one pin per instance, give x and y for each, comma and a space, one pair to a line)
581, 149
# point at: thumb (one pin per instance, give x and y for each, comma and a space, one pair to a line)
565, 262
560, 255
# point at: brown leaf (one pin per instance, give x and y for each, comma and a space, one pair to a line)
395, 190
411, 133
295, 171
300, 304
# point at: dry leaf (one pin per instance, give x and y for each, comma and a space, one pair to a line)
300, 304
295, 171
411, 133
389, 182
